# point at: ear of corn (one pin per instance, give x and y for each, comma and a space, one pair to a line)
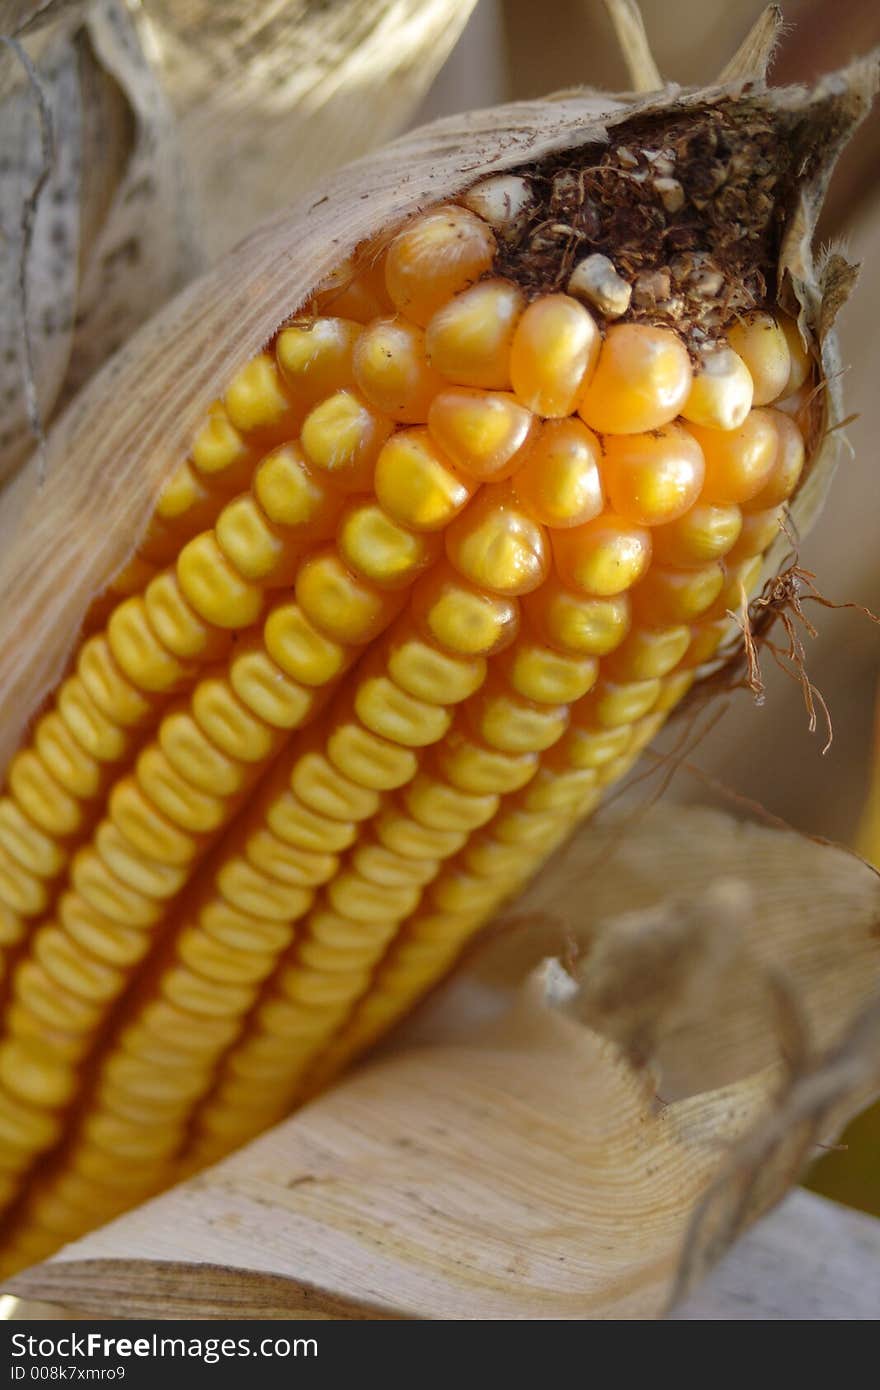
436, 568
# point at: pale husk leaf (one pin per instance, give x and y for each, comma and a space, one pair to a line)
501, 1159
129, 428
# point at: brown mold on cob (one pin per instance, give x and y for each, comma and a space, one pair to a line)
438, 562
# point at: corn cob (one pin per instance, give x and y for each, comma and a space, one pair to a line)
436, 569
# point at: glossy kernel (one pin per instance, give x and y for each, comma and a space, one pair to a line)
214, 588
342, 437
468, 340
461, 618
437, 255
392, 371
560, 480
300, 649
496, 545
653, 478
671, 596
575, 623
641, 381
554, 353
344, 607
417, 484
787, 467
707, 532
721, 392
541, 673
376, 546
484, 433
603, 558
316, 356
293, 494
762, 345
738, 462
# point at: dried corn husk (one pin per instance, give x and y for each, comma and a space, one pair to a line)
503, 1158
124, 434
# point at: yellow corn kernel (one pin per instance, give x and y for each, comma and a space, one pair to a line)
355, 292
652, 479
344, 607
648, 652
128, 1140
91, 728
423, 670
13, 928
759, 531
641, 381
20, 890
206, 998
558, 788
666, 597
37, 852
459, 891
416, 484
541, 673
534, 829
256, 399
801, 365
470, 765
219, 453
147, 876
709, 531
464, 620
740, 582
403, 835
392, 371
380, 866
106, 893
242, 931
196, 811
613, 703
436, 256
40, 796
290, 865
316, 357
31, 1071
603, 558
673, 689
38, 992
257, 549
559, 481
762, 345
298, 824
229, 724
144, 826
110, 942
138, 652
88, 980
490, 858
342, 437
297, 496
576, 624
554, 354
179, 629
496, 545
261, 685
163, 1025
378, 548
116, 698
787, 466
738, 462
303, 652
485, 434
394, 714
353, 896
225, 964
317, 783
72, 767
513, 725
706, 638
439, 806
191, 753
24, 1128
468, 340
367, 758
184, 497
211, 585
721, 392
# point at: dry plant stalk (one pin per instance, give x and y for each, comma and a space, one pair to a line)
696, 212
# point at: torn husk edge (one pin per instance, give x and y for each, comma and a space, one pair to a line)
109, 454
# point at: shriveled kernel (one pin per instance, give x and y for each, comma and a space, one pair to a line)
759, 531
484, 433
511, 724
387, 710
670, 596
229, 723
575, 623
763, 347
721, 392
554, 353
214, 588
342, 437
560, 481
595, 281
261, 685
344, 607
436, 256
177, 626
461, 618
787, 467
423, 670
648, 652
501, 200
496, 545
392, 371
641, 381
369, 759
707, 532
256, 399
195, 757
604, 557
739, 463
468, 340
316, 357
376, 546
301, 649
417, 484
541, 673
653, 478
257, 549
293, 494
